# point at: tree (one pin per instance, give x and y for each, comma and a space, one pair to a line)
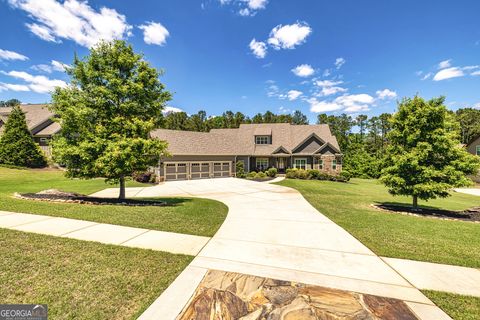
107, 113
299, 118
176, 121
361, 121
469, 120
16, 143
10, 103
424, 158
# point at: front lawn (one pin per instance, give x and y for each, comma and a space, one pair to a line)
184, 215
80, 279
396, 235
457, 306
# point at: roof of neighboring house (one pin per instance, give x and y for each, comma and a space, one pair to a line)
37, 115
49, 130
241, 141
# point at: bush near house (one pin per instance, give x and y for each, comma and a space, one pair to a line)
17, 147
313, 174
240, 169
272, 172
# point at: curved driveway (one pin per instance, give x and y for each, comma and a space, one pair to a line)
272, 231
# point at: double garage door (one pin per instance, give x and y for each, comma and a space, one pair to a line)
197, 170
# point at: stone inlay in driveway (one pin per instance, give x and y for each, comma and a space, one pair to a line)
227, 295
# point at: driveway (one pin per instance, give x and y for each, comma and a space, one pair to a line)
272, 231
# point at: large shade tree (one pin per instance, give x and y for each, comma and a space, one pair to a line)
107, 112
16, 143
425, 159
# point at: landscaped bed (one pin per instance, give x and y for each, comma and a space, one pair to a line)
183, 215
80, 279
472, 214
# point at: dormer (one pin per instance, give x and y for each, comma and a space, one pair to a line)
263, 135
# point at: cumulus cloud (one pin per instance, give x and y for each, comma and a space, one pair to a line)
73, 20
329, 87
13, 87
170, 109
49, 68
293, 94
476, 73
247, 7
11, 55
386, 94
303, 70
288, 36
39, 84
448, 73
339, 62
154, 33
444, 64
347, 103
259, 48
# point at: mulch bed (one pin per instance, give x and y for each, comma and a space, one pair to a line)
472, 214
67, 197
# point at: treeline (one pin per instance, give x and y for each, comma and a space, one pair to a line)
9, 103
201, 122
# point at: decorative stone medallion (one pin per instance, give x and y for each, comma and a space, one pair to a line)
230, 296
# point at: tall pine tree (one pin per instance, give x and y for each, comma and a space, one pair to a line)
17, 147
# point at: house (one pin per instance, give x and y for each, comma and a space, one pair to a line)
39, 121
474, 146
211, 154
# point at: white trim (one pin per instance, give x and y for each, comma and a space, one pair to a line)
295, 163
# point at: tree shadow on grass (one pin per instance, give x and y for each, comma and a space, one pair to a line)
169, 202
472, 214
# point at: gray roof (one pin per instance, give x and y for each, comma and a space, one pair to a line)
37, 115
241, 141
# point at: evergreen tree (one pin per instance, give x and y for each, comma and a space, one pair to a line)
107, 113
299, 118
424, 158
16, 143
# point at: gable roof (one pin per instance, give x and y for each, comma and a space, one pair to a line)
36, 115
240, 141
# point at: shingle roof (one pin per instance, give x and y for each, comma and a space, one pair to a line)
49, 130
35, 114
241, 141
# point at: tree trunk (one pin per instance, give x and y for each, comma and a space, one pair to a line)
122, 188
415, 203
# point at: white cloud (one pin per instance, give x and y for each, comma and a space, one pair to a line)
476, 73
256, 4
347, 103
284, 110
39, 84
289, 36
427, 76
259, 48
154, 33
11, 55
303, 70
444, 64
327, 83
386, 94
73, 20
327, 72
248, 8
327, 91
170, 109
294, 94
448, 73
53, 66
329, 87
339, 62
13, 87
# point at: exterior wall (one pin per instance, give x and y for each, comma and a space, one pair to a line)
472, 146
160, 170
309, 146
327, 163
309, 161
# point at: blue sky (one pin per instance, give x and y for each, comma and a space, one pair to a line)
257, 55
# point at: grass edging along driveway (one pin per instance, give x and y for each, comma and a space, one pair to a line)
82, 279
182, 215
457, 306
391, 234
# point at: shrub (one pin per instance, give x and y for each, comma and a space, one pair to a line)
345, 175
272, 172
240, 169
313, 174
302, 174
251, 175
260, 175
142, 177
324, 176
291, 173
153, 178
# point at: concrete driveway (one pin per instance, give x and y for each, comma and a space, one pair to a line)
272, 231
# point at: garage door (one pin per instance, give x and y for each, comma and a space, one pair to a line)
176, 171
197, 170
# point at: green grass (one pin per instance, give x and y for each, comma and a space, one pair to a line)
391, 234
458, 307
184, 215
80, 279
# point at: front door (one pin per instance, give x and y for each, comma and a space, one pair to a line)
281, 164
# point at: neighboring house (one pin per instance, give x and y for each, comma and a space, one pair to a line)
474, 146
211, 154
39, 121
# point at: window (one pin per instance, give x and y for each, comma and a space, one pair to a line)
300, 163
261, 163
320, 164
43, 139
477, 150
334, 164
262, 139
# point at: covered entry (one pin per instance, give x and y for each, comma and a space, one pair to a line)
196, 170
